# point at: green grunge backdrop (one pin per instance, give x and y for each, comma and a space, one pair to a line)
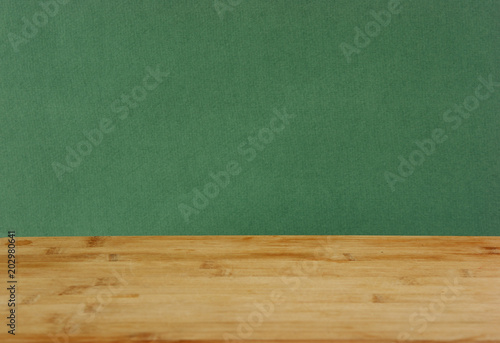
249, 117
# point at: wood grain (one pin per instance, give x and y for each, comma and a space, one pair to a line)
255, 289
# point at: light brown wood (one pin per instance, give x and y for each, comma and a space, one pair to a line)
255, 289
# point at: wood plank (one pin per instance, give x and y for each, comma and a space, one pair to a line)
255, 289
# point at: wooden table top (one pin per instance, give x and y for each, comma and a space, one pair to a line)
254, 289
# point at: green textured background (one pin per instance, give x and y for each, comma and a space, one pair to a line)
324, 174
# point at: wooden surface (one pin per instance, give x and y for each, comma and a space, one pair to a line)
255, 289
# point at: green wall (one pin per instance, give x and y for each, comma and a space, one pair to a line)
294, 117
